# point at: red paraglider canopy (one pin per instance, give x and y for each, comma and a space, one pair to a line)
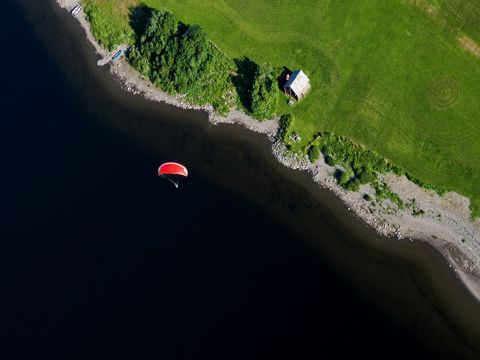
172, 168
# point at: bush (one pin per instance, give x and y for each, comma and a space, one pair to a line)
313, 153
366, 175
417, 212
284, 124
264, 93
330, 160
344, 178
383, 191
353, 185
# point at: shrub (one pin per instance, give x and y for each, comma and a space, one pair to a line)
344, 178
313, 153
383, 191
264, 93
106, 29
417, 212
330, 160
366, 175
353, 185
284, 124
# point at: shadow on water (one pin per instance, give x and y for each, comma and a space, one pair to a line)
102, 260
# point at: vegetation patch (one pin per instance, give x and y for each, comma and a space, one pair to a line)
416, 210
384, 192
108, 26
360, 165
284, 126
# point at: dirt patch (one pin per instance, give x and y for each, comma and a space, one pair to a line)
425, 6
469, 45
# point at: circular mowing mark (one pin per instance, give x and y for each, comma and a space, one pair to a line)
443, 93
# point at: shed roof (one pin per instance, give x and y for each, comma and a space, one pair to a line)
299, 83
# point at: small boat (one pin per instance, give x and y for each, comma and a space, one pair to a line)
76, 10
117, 55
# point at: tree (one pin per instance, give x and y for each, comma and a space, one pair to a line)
264, 93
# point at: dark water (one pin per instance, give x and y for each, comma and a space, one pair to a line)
100, 259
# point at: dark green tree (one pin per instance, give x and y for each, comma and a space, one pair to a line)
264, 93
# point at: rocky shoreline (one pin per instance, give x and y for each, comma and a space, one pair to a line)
444, 222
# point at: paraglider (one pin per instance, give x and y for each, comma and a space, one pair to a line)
170, 170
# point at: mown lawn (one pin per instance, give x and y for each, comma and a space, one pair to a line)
389, 74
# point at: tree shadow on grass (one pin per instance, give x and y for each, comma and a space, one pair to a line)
243, 80
138, 19
282, 79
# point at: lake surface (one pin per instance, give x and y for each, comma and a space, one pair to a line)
101, 259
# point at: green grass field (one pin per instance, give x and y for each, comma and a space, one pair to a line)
391, 74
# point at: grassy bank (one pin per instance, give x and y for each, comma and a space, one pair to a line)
390, 75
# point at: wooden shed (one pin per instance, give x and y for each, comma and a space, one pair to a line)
297, 85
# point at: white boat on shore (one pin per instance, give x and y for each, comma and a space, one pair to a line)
76, 10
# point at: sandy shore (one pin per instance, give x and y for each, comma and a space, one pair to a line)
445, 224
